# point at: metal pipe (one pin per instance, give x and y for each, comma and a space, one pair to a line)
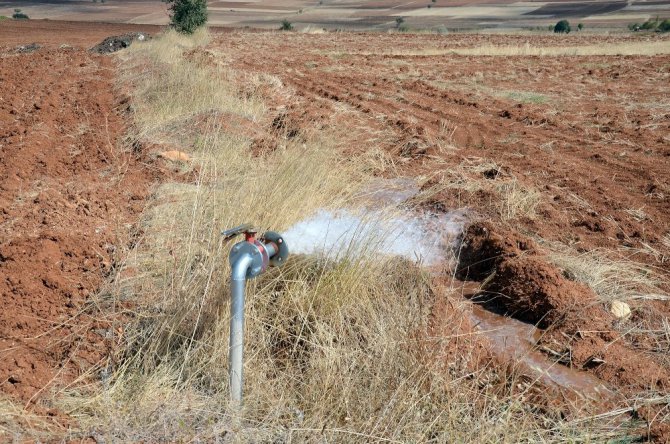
237, 287
248, 259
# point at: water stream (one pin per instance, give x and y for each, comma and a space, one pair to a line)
514, 340
384, 226
381, 226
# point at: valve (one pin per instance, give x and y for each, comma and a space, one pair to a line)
269, 250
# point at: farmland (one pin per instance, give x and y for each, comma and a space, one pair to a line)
356, 15
552, 149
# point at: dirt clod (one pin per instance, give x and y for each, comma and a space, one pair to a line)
118, 42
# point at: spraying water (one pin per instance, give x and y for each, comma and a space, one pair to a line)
423, 237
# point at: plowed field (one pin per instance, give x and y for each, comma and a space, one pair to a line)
545, 154
588, 137
68, 198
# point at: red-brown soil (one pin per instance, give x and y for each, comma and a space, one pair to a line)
591, 134
68, 198
51, 33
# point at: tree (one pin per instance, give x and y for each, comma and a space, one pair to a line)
562, 27
649, 24
187, 15
580, 26
399, 21
286, 26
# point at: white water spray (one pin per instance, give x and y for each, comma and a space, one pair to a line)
423, 237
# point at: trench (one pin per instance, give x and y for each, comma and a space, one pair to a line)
385, 223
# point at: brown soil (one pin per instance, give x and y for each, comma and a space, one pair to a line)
69, 196
51, 33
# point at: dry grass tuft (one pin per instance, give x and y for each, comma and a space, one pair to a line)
517, 200
611, 279
512, 199
19, 425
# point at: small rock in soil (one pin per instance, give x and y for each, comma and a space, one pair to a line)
620, 309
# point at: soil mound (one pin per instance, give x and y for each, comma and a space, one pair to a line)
23, 49
518, 279
119, 42
484, 247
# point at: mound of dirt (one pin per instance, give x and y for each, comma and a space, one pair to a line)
27, 48
485, 246
118, 42
518, 279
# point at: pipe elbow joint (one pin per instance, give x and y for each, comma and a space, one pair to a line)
240, 266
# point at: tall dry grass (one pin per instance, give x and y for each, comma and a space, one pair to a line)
334, 349
610, 278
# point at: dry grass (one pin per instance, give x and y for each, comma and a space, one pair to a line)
517, 200
611, 279
333, 351
18, 424
511, 199
632, 48
648, 48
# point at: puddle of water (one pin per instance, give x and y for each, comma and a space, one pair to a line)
514, 340
380, 228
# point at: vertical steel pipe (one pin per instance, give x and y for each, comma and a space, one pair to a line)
237, 287
248, 259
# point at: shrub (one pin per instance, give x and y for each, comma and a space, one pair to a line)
399, 21
562, 27
286, 26
187, 15
649, 25
18, 15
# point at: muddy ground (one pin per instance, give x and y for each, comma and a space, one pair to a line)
590, 135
